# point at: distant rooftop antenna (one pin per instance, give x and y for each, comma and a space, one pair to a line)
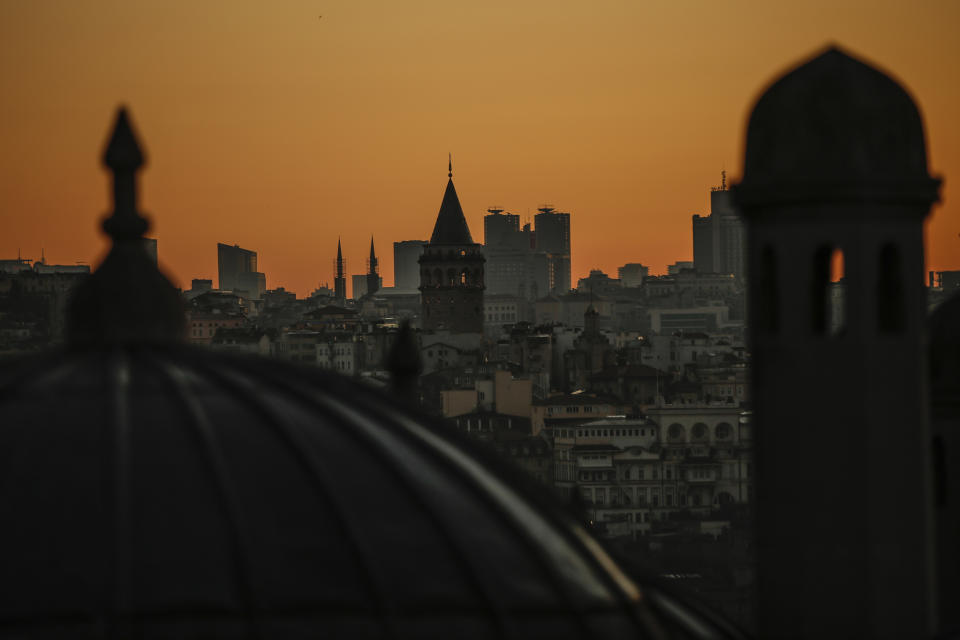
723, 180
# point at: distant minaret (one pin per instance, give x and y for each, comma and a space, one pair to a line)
340, 278
373, 276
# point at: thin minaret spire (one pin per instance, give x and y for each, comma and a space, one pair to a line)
449, 165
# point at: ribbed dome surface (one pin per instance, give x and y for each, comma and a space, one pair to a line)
174, 493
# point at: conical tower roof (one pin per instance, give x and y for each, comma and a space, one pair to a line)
451, 226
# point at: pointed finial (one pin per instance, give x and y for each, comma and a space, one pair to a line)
123, 151
339, 250
123, 157
371, 246
126, 300
449, 165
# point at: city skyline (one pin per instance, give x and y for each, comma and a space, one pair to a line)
278, 131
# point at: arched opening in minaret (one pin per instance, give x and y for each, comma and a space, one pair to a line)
828, 292
890, 302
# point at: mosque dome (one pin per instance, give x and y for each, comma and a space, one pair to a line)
151, 489
835, 116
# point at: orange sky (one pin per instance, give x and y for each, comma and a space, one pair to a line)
271, 127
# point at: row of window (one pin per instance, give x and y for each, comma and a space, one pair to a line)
826, 303
571, 409
602, 496
642, 472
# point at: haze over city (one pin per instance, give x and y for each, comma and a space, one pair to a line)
281, 127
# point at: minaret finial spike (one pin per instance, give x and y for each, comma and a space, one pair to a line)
124, 158
449, 165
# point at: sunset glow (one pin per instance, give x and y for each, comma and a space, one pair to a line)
283, 126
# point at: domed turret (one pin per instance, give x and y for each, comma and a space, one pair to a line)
835, 127
835, 190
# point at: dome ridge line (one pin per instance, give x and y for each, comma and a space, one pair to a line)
331, 406
313, 468
198, 423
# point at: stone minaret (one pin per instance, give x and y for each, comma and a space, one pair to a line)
340, 277
835, 174
373, 273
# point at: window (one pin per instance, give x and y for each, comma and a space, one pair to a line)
826, 292
723, 431
890, 300
676, 432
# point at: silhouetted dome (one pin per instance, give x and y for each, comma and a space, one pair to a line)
835, 116
151, 489
198, 494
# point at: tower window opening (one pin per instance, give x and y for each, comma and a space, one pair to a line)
890, 302
828, 292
